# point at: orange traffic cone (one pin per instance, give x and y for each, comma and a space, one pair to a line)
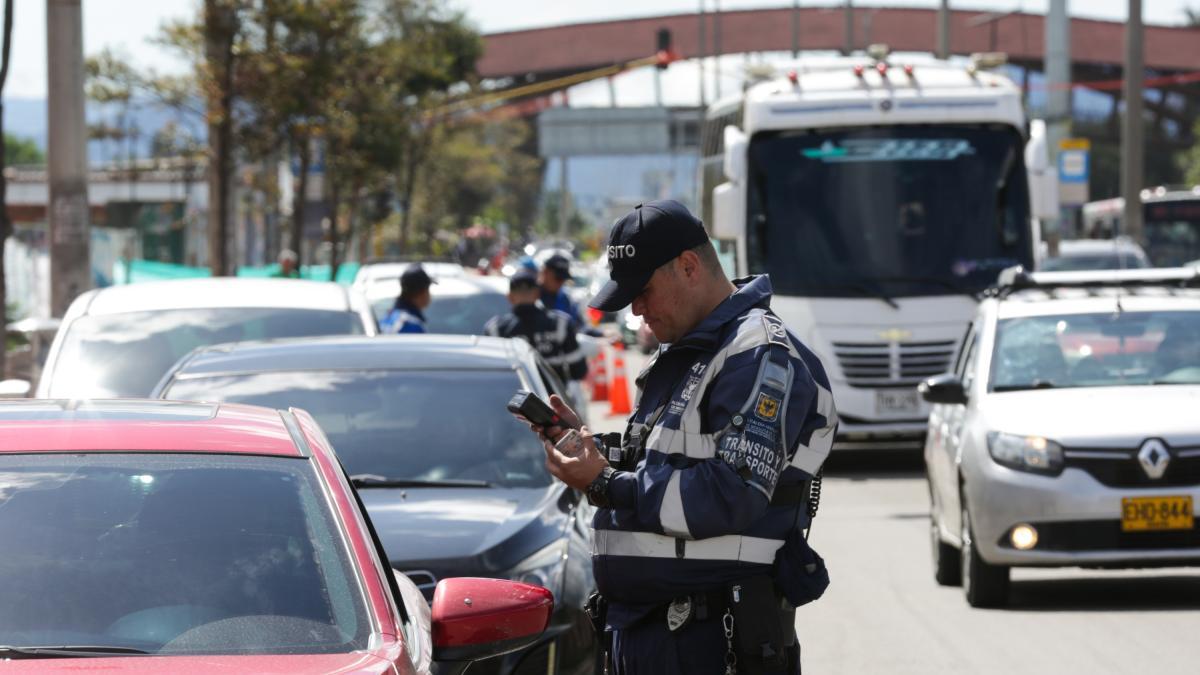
599, 375
618, 395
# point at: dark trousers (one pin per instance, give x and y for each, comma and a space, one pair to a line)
650, 648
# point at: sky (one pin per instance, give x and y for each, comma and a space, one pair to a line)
127, 25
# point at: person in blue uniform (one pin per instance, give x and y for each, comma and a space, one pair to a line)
700, 552
408, 314
549, 331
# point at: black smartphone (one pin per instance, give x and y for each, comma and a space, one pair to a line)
527, 406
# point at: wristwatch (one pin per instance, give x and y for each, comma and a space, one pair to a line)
597, 490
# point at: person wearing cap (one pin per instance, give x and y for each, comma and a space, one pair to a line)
549, 331
554, 275
700, 553
408, 314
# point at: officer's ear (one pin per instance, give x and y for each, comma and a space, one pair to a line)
689, 265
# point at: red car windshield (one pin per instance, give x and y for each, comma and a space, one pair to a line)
174, 554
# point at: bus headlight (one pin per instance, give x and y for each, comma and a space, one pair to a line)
1026, 453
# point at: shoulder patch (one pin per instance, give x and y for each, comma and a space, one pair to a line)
767, 407
776, 331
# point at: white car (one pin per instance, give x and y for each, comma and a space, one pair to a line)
374, 273
1068, 433
117, 342
460, 306
1076, 255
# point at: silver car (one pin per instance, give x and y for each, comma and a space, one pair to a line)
117, 342
1068, 433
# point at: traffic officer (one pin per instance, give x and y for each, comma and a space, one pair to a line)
555, 273
408, 314
549, 331
700, 555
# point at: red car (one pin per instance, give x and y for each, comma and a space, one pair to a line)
152, 536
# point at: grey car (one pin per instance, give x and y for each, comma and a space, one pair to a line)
1067, 434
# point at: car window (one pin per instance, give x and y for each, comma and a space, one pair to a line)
1092, 350
1112, 261
125, 355
455, 314
174, 554
427, 425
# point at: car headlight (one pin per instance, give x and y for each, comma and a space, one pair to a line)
1025, 453
544, 568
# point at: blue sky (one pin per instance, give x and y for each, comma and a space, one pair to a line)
126, 25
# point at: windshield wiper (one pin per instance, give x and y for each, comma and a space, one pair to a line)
67, 652
944, 283
863, 289
1036, 384
371, 480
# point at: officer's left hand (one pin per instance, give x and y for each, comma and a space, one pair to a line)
578, 471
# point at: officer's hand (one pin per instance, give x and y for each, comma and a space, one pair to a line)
577, 471
569, 418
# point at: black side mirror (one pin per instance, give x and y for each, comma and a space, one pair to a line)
945, 388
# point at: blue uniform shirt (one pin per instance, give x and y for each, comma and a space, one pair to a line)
734, 410
404, 318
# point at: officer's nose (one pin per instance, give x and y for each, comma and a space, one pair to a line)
638, 307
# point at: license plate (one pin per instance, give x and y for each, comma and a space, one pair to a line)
1142, 514
896, 401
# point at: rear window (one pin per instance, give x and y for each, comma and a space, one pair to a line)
455, 314
174, 554
125, 355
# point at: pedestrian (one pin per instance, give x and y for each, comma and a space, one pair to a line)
287, 265
555, 273
408, 314
700, 553
549, 331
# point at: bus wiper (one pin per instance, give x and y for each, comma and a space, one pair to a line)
1036, 384
944, 283
67, 652
371, 480
862, 289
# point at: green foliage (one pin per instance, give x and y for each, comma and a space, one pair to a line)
18, 151
1189, 160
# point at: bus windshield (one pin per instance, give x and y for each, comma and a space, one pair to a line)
889, 211
1172, 231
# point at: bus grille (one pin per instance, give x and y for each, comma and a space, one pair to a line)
892, 364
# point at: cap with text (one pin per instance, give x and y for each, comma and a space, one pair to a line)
646, 238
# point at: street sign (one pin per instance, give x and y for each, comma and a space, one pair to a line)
1073, 168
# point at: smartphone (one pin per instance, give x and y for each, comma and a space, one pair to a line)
526, 405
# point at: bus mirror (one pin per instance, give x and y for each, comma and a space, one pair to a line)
729, 211
1043, 178
735, 154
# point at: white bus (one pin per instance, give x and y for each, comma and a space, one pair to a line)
882, 197
1170, 223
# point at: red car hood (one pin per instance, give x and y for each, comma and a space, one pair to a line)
358, 662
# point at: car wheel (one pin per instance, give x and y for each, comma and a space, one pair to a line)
947, 565
984, 584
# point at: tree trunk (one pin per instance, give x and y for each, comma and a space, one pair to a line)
335, 205
5, 225
299, 199
220, 28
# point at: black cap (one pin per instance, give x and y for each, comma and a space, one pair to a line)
415, 279
523, 279
648, 237
560, 265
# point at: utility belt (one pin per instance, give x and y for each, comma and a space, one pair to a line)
757, 622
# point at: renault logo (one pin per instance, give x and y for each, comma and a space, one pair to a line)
1154, 458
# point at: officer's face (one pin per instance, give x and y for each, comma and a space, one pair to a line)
663, 304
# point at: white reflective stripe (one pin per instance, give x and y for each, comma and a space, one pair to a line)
492, 328
670, 514
730, 547
677, 442
565, 358
809, 458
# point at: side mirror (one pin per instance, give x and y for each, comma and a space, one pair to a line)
15, 388
729, 211
476, 619
735, 154
1043, 177
943, 389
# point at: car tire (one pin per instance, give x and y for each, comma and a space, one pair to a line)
984, 584
947, 563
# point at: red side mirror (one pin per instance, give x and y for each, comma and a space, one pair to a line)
475, 619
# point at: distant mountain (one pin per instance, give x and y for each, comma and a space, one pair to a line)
27, 118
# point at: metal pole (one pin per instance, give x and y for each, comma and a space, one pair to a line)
795, 29
701, 48
1058, 95
1132, 162
564, 198
943, 32
717, 49
849, 16
70, 264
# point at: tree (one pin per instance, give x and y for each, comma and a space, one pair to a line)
1189, 160
5, 223
19, 151
114, 84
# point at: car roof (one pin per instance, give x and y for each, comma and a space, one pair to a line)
374, 272
219, 292
389, 352
51, 425
445, 287
1047, 302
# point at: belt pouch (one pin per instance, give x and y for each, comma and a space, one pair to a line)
758, 633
